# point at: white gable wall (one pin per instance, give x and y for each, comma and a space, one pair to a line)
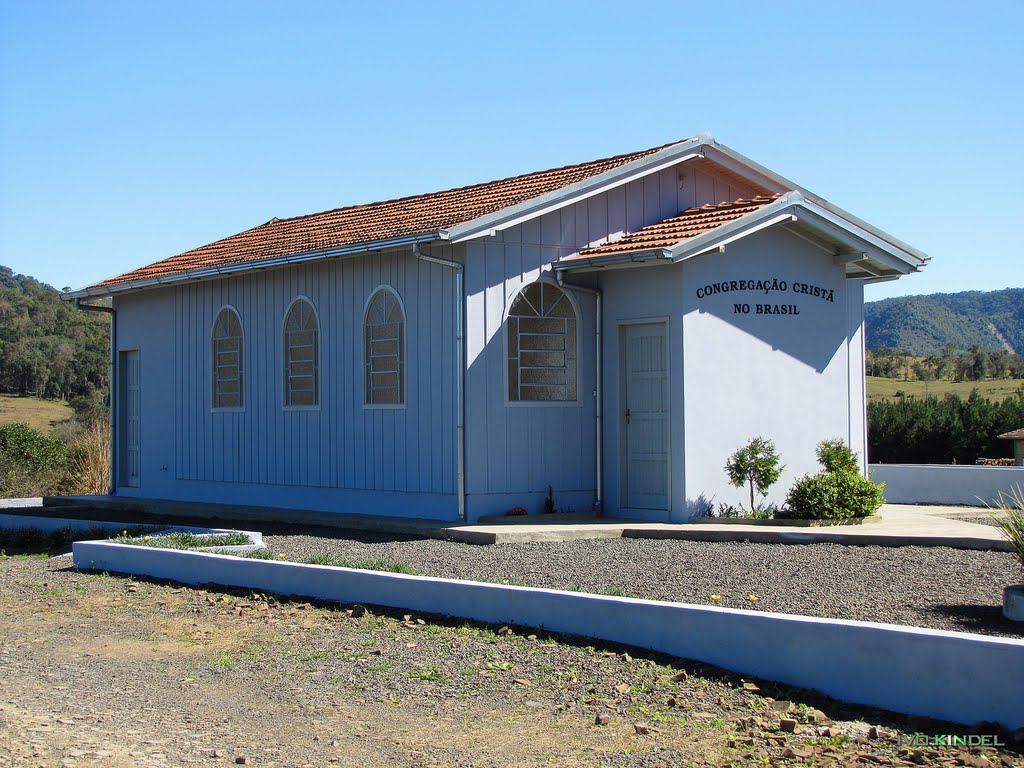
796, 379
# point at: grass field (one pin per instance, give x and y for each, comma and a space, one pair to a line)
886, 389
38, 414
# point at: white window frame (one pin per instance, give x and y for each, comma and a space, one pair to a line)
213, 363
284, 357
402, 350
509, 403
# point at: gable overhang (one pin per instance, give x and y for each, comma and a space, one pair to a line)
210, 273
863, 253
744, 166
492, 223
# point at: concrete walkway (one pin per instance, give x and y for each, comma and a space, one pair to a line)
901, 524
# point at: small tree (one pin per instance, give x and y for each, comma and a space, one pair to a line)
756, 464
836, 456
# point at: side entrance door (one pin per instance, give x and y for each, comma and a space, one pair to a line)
129, 434
645, 416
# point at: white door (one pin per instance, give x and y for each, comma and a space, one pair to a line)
645, 416
130, 433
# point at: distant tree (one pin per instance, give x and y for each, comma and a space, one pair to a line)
924, 370
48, 348
933, 431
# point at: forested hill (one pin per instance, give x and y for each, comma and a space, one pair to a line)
48, 347
923, 325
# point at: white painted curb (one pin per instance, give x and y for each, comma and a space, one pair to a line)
953, 676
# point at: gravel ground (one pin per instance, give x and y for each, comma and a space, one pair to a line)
986, 520
979, 520
107, 672
935, 587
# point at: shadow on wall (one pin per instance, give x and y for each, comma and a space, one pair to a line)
774, 288
517, 447
809, 329
696, 507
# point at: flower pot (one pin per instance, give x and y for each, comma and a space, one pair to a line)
1013, 602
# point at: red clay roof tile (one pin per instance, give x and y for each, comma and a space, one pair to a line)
375, 221
683, 226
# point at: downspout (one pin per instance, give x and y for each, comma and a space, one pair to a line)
460, 374
111, 379
598, 394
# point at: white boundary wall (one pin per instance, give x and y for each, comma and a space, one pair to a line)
945, 483
949, 675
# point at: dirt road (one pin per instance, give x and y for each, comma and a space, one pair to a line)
100, 670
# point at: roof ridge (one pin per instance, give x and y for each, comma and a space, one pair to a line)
478, 185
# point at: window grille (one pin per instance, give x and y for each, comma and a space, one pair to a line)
227, 364
542, 345
301, 355
384, 349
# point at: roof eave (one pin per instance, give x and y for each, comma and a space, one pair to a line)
613, 260
207, 273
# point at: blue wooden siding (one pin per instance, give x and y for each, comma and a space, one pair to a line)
338, 445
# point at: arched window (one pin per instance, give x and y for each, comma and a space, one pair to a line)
542, 345
384, 349
227, 364
301, 355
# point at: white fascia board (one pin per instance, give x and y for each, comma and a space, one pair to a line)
747, 168
637, 169
795, 207
780, 211
630, 258
850, 232
690, 248
734, 161
208, 273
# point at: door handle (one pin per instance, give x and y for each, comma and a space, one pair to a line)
627, 415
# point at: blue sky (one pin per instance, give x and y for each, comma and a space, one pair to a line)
133, 131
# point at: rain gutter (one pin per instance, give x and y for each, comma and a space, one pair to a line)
460, 371
255, 264
598, 393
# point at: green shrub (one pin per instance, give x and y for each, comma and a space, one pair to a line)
836, 456
839, 492
28, 450
31, 464
756, 464
832, 496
